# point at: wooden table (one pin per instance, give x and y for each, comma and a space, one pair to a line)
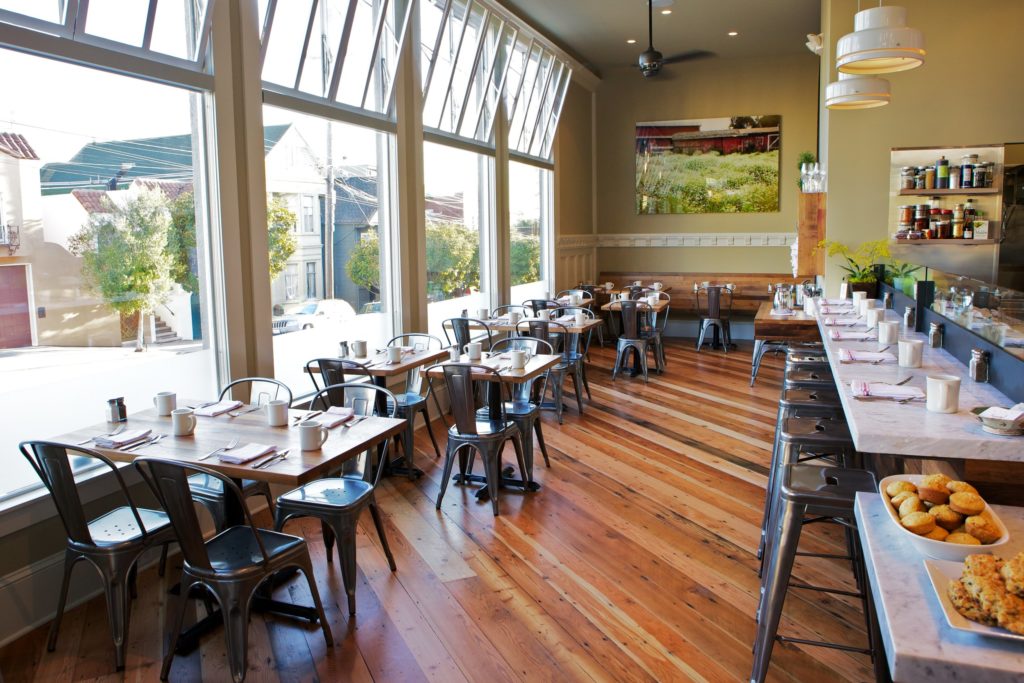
658, 307
503, 325
778, 330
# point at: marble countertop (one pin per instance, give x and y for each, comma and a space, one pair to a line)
919, 644
880, 426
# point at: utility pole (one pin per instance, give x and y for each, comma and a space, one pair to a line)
329, 198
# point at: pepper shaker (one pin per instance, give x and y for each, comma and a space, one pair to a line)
935, 332
116, 410
909, 318
887, 298
343, 349
979, 366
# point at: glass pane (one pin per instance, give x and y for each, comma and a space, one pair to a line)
360, 51
117, 20
175, 27
533, 103
330, 205
47, 10
464, 72
520, 105
499, 75
430, 15
437, 88
529, 192
114, 191
281, 65
459, 215
379, 93
481, 93
547, 107
556, 113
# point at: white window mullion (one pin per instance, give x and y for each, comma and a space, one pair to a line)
343, 43
481, 41
455, 59
437, 45
313, 8
378, 32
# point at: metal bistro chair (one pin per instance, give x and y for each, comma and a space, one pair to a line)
338, 501
583, 341
657, 324
536, 305
458, 332
207, 491
716, 312
413, 400
632, 337
112, 543
565, 344
336, 371
486, 436
503, 311
231, 566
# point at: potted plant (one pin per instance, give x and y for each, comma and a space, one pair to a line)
900, 275
860, 263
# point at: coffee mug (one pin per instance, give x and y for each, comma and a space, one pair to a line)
473, 350
888, 333
574, 299
544, 314
483, 313
874, 316
636, 283
394, 354
359, 348
277, 413
183, 421
312, 435
454, 354
580, 318
609, 286
943, 393
653, 300
844, 290
857, 296
519, 359
657, 286
165, 402
514, 317
911, 353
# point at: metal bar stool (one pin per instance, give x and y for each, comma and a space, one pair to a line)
810, 379
828, 494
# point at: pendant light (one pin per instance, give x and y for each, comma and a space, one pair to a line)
881, 43
857, 92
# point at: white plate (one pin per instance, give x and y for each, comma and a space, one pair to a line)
941, 550
941, 573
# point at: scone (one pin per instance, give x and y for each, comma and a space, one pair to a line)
1012, 572
960, 487
966, 605
898, 499
937, 534
982, 564
895, 487
945, 517
967, 503
910, 505
982, 528
962, 539
933, 488
919, 523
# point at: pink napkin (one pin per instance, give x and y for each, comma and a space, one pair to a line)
833, 310
334, 416
842, 303
782, 311
218, 408
846, 322
836, 335
882, 390
849, 356
249, 451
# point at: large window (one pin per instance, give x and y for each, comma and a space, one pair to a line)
111, 291
460, 211
345, 293
529, 192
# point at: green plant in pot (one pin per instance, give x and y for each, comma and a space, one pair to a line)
900, 275
860, 263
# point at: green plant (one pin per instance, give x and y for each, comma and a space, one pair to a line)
860, 261
281, 243
804, 158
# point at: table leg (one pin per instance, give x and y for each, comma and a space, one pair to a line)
755, 360
401, 466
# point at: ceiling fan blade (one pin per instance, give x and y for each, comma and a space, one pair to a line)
688, 56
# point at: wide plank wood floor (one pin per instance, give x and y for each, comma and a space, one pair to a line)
635, 562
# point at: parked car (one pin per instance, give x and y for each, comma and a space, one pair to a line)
309, 314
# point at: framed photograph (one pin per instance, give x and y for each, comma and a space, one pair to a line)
717, 165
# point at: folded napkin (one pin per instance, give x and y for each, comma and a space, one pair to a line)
836, 335
782, 311
334, 416
836, 310
249, 451
839, 302
1014, 414
883, 390
129, 436
846, 322
566, 318
218, 408
848, 356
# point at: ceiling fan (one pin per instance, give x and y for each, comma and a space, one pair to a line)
651, 61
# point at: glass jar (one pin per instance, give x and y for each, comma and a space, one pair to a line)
943, 226
919, 178
929, 178
908, 175
906, 214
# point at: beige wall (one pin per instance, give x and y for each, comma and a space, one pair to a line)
968, 92
784, 85
573, 152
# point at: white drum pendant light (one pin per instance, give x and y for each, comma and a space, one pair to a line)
857, 92
881, 43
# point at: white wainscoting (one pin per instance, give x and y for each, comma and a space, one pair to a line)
575, 260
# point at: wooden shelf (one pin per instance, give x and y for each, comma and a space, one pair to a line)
952, 243
960, 190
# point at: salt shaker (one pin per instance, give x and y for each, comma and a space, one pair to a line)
935, 332
887, 298
116, 410
979, 366
343, 349
909, 318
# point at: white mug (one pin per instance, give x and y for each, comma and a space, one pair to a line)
653, 300
519, 359
636, 283
581, 319
473, 349
312, 435
544, 314
454, 355
657, 286
865, 305
514, 317
394, 354
888, 333
165, 402
844, 290
277, 413
874, 316
183, 421
609, 286
483, 313
359, 348
943, 393
911, 353
857, 296
574, 299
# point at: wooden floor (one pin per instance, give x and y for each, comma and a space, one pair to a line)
635, 562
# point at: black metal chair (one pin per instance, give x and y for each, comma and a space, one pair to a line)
632, 337
487, 436
336, 371
583, 340
716, 312
458, 332
207, 491
231, 566
658, 323
413, 400
112, 543
502, 311
536, 305
566, 344
338, 501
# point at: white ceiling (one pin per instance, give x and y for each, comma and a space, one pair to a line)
596, 30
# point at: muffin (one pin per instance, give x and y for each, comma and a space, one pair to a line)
962, 539
911, 504
937, 534
895, 487
967, 503
933, 489
945, 517
919, 523
1012, 572
982, 528
960, 487
898, 499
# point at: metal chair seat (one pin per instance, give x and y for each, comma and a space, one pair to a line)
518, 408
236, 549
119, 527
330, 494
815, 432
809, 399
209, 492
809, 379
485, 429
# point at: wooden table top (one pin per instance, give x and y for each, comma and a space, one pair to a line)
626, 289
211, 433
378, 365
535, 367
798, 326
658, 307
503, 325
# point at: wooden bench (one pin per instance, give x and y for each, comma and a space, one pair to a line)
750, 288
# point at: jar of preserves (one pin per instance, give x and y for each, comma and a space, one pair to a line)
908, 176
929, 178
943, 228
956, 227
906, 214
919, 178
967, 175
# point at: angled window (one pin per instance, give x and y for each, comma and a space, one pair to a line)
537, 83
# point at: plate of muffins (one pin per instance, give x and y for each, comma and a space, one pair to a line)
984, 594
943, 518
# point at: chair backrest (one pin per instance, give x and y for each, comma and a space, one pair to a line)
630, 311
262, 390
507, 308
460, 379
583, 338
586, 296
169, 481
458, 333
635, 292
419, 341
714, 298
365, 399
333, 371
52, 463
555, 333
524, 391
540, 304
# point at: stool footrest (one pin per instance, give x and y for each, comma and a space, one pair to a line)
831, 556
832, 591
822, 643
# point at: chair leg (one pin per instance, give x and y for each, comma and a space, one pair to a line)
577, 384
329, 538
643, 363
449, 460
430, 431
700, 338
133, 582
540, 441
556, 393
175, 633
70, 560
162, 568
236, 630
618, 363
265, 491
492, 465
777, 580
755, 361
118, 611
307, 568
408, 445
379, 523
525, 473
440, 414
347, 555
